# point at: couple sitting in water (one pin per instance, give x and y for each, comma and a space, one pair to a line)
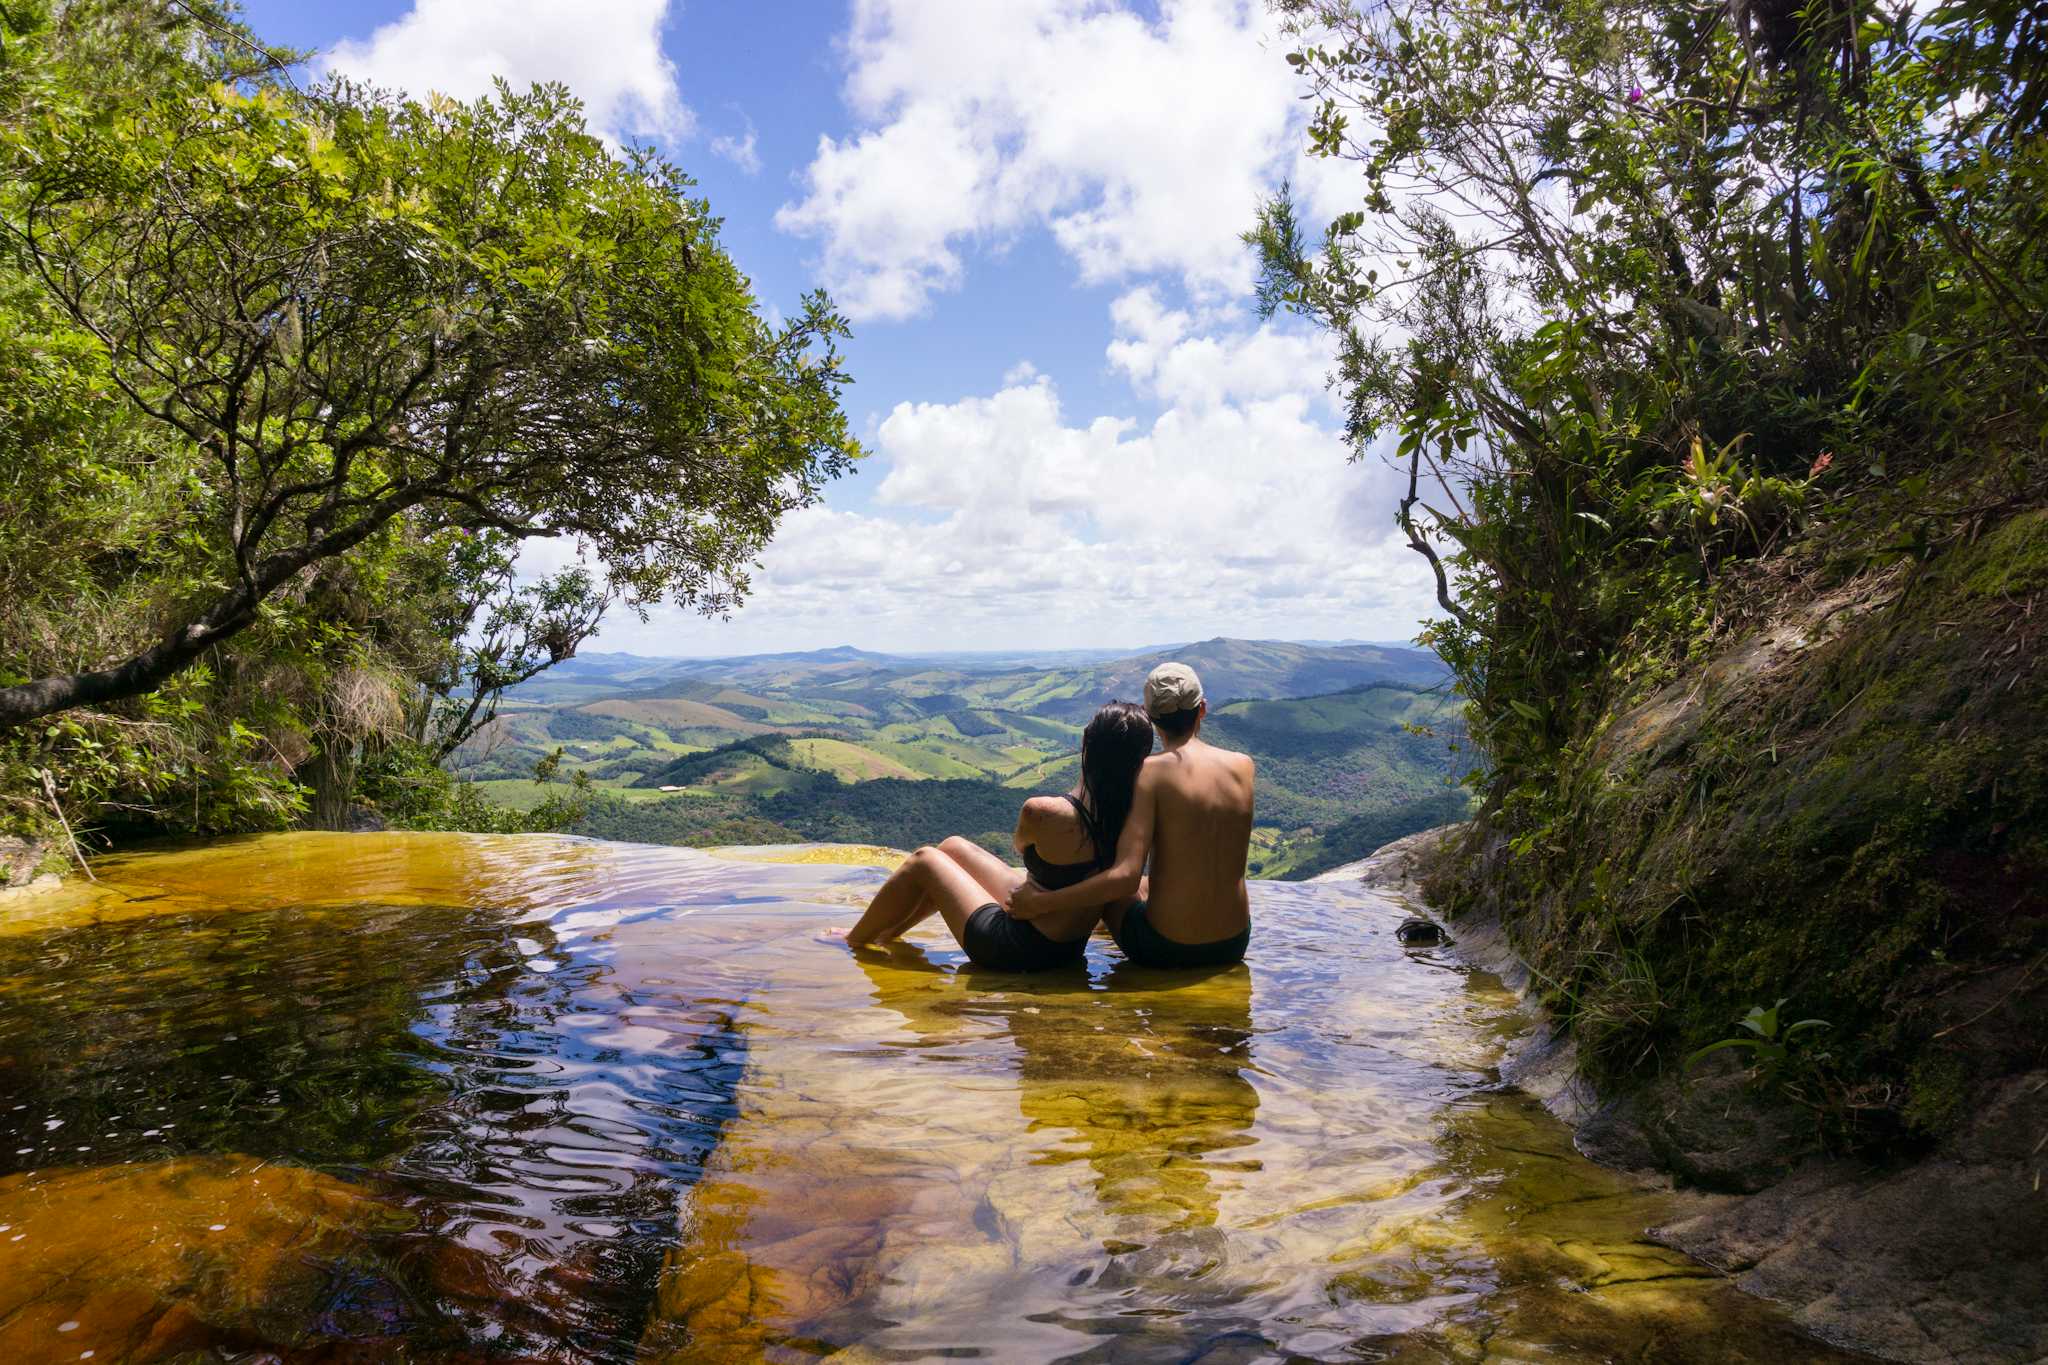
1187, 810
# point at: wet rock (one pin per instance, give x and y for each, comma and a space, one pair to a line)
188, 1256
1399, 867
48, 881
1709, 1127
838, 855
363, 820
1944, 1261
1715, 1128
1420, 933
20, 860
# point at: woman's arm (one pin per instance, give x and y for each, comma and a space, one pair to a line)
1119, 881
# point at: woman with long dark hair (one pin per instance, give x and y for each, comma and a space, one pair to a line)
1062, 839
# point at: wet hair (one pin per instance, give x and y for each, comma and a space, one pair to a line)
1113, 747
1179, 723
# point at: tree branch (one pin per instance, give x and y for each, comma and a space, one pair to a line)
1420, 543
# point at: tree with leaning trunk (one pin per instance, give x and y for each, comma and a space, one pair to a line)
347, 310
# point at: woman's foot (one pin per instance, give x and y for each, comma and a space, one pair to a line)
839, 933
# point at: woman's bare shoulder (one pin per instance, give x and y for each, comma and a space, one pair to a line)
1049, 812
1046, 807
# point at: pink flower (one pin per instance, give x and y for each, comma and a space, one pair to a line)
1635, 94
1826, 458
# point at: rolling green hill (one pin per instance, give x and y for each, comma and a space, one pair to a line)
847, 744
900, 756
1231, 670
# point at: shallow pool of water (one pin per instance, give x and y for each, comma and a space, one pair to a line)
325, 1097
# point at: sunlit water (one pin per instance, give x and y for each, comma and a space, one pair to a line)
425, 1097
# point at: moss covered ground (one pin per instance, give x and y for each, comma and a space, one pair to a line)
1840, 805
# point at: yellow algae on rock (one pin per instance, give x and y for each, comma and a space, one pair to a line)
841, 855
314, 870
516, 873
150, 1261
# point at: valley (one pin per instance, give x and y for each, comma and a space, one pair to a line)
1358, 744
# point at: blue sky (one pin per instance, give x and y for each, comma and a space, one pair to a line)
1081, 434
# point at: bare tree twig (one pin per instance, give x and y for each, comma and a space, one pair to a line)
50, 787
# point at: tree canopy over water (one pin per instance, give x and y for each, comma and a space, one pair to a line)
1711, 339
292, 372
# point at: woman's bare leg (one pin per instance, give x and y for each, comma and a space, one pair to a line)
899, 905
997, 877
928, 882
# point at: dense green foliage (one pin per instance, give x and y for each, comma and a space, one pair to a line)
973, 726
688, 821
1642, 288
1362, 835
1323, 760
291, 373
899, 813
1711, 340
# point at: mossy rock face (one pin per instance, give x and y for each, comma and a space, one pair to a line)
2013, 560
1844, 808
24, 860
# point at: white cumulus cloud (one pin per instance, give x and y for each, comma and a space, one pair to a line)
740, 150
608, 52
1140, 144
1003, 518
1163, 355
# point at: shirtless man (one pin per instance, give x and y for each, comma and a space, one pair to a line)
1192, 817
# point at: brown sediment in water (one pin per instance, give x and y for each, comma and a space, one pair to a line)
147, 1262
545, 1097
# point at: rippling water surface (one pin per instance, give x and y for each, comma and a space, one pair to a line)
322, 1097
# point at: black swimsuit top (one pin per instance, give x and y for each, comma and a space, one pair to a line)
1059, 876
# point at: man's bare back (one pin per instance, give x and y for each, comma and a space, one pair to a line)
1202, 831
1191, 823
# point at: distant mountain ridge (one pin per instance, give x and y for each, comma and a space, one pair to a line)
1259, 670
1231, 670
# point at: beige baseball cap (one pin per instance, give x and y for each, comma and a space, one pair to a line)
1171, 688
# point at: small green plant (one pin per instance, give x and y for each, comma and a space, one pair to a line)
1769, 1043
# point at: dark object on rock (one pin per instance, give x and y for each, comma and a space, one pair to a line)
1420, 933
363, 820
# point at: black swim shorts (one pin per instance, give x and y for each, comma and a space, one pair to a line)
995, 939
1148, 947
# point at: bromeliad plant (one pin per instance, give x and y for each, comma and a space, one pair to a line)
1769, 1043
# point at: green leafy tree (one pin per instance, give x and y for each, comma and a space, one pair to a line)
1626, 279
354, 320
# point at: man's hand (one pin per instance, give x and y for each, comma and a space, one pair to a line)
1025, 901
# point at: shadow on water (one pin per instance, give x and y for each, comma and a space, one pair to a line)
315, 1098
